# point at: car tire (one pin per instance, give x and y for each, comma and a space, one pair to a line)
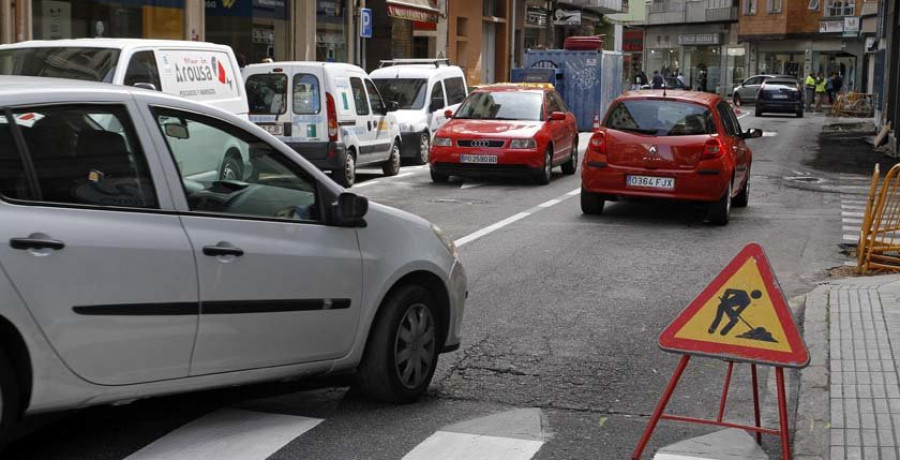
546, 172
232, 167
383, 375
591, 203
720, 211
743, 198
758, 113
800, 114
439, 178
424, 149
570, 166
9, 399
346, 175
392, 166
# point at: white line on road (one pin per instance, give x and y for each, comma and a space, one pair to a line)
382, 180
851, 214
851, 238
445, 445
228, 433
517, 217
853, 206
852, 221
468, 185
851, 228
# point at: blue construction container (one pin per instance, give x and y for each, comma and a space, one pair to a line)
587, 80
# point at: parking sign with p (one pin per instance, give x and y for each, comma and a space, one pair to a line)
365, 22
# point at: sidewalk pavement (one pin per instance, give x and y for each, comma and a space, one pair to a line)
852, 328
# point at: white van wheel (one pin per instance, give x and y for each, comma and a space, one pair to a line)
392, 165
346, 176
424, 149
232, 168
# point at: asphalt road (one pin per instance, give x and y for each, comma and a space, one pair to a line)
562, 318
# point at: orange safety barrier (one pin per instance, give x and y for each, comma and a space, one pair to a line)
879, 242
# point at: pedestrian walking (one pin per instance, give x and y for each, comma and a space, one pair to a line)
829, 88
658, 81
810, 84
820, 91
681, 80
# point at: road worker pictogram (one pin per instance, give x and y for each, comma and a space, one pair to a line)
741, 315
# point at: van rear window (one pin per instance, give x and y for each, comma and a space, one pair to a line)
306, 94
78, 63
266, 93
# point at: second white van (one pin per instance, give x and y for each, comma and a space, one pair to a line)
330, 113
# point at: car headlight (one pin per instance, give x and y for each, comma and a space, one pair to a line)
522, 144
442, 142
406, 128
448, 243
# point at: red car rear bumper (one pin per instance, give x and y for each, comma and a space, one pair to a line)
707, 182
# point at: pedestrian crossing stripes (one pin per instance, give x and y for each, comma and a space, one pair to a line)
853, 207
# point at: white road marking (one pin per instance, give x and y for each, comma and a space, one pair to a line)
851, 214
852, 221
851, 228
854, 238
383, 180
468, 185
517, 217
744, 115
853, 206
445, 445
769, 133
228, 433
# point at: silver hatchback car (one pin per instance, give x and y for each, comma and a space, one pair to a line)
123, 278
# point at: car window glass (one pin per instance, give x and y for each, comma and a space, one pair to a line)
79, 63
734, 120
272, 185
374, 98
13, 182
456, 90
142, 69
552, 106
502, 105
727, 121
307, 99
408, 93
661, 118
359, 96
437, 96
267, 93
86, 155
560, 102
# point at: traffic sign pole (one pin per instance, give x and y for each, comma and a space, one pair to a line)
783, 415
756, 419
661, 407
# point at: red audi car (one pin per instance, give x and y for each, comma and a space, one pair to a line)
684, 145
507, 130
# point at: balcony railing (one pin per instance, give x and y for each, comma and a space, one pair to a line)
696, 11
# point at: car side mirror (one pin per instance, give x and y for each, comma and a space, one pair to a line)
558, 116
393, 106
145, 85
177, 130
349, 210
752, 133
448, 113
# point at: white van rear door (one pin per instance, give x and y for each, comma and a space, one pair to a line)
268, 96
207, 76
309, 109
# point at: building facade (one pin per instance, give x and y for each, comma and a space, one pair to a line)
697, 38
799, 37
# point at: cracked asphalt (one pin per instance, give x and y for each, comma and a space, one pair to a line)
563, 315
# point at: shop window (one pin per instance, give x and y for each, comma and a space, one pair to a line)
162, 19
840, 8
774, 6
749, 7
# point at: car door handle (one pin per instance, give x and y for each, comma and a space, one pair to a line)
222, 249
36, 243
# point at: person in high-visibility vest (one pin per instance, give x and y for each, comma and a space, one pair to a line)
810, 84
820, 91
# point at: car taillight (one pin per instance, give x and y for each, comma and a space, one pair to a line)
332, 118
713, 149
598, 143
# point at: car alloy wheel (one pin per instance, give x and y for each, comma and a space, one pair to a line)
392, 166
414, 347
231, 169
424, 148
546, 172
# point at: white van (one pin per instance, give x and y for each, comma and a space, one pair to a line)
330, 113
203, 72
423, 89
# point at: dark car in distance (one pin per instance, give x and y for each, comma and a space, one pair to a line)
780, 95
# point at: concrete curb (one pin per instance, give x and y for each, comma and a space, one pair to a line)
811, 424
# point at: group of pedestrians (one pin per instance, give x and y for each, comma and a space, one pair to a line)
658, 81
818, 87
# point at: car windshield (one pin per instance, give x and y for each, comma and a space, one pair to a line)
408, 92
266, 93
661, 118
79, 63
502, 105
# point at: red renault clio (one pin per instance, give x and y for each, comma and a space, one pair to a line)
680, 145
507, 130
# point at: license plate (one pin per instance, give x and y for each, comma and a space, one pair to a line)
487, 159
273, 129
779, 96
665, 183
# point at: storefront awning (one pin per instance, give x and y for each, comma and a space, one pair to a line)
413, 10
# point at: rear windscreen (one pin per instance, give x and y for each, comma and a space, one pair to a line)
661, 118
306, 94
267, 93
78, 63
409, 93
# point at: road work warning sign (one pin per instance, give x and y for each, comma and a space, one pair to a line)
741, 316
